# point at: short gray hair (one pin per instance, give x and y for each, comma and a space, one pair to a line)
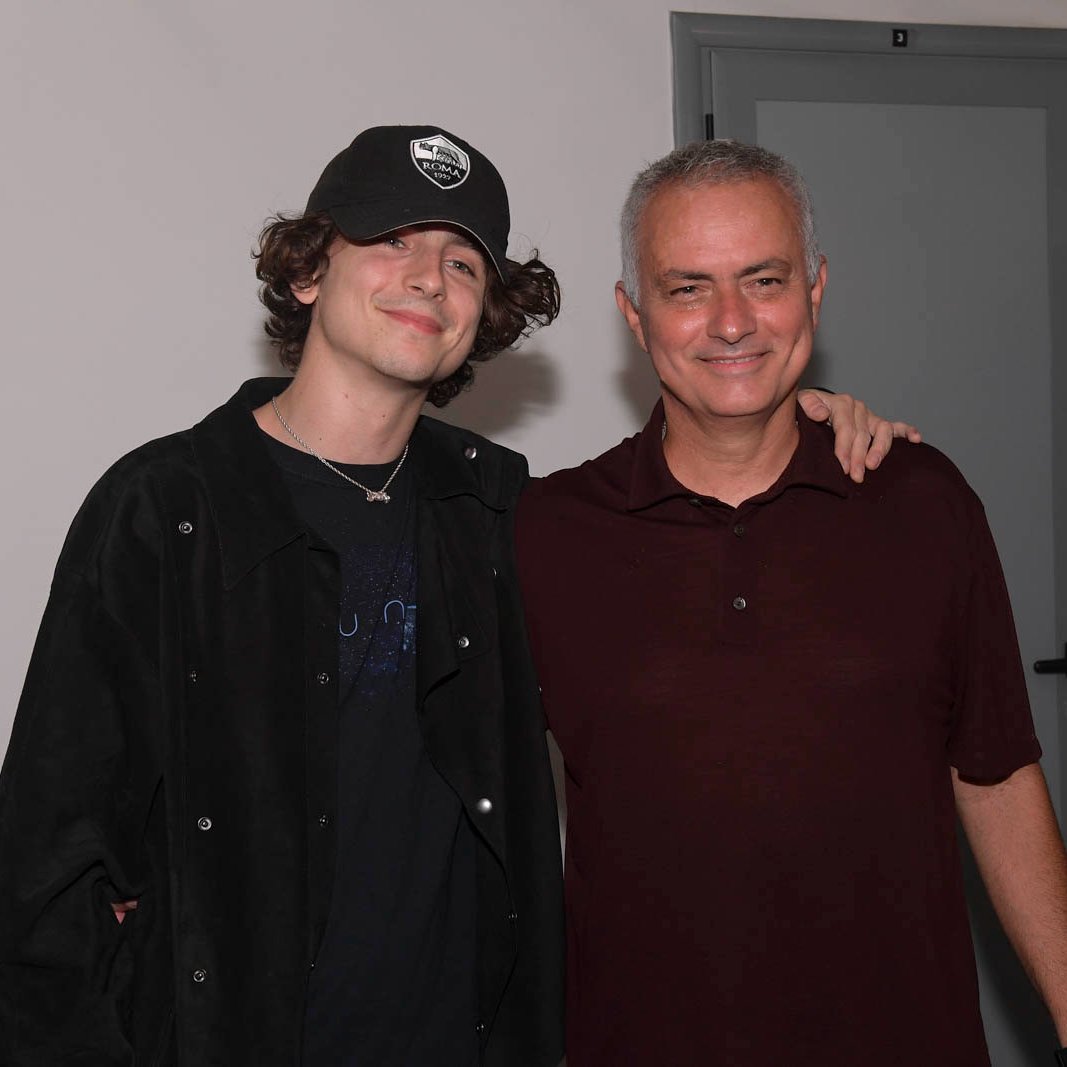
714, 163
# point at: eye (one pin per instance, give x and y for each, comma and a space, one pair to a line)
684, 290
464, 266
393, 240
767, 282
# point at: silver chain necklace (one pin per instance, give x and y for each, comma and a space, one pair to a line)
374, 496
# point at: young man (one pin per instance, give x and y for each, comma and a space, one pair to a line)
281, 719
777, 688
237, 627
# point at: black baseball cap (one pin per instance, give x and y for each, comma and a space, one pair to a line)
395, 176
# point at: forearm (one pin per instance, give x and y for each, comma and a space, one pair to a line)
1012, 830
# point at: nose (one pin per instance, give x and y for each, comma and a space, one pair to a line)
731, 318
425, 273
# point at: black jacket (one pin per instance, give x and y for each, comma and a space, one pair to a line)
175, 744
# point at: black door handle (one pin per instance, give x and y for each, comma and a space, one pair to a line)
1052, 666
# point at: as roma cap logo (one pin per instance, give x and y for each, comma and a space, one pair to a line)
440, 160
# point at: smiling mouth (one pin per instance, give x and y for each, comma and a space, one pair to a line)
741, 360
422, 323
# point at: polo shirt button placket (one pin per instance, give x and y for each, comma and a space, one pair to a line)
738, 555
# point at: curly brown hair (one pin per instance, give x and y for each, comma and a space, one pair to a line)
293, 252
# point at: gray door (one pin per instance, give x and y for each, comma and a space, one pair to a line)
940, 186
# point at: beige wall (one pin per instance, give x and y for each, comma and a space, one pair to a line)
144, 142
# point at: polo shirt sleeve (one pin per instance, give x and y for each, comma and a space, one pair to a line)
992, 732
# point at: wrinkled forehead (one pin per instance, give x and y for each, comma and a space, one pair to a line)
688, 211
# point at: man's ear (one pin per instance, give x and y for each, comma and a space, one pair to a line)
307, 294
630, 314
817, 290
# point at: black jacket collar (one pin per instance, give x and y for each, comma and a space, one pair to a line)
252, 510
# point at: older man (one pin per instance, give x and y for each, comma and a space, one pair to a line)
773, 688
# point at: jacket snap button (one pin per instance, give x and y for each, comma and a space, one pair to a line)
185, 527
512, 917
485, 805
740, 603
204, 822
192, 676
479, 1028
470, 451
322, 678
324, 819
463, 641
199, 975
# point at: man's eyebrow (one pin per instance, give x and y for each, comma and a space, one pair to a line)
460, 237
767, 264
676, 274
681, 274
471, 245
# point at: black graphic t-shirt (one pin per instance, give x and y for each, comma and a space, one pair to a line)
394, 979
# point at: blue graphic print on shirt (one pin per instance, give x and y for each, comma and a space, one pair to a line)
376, 631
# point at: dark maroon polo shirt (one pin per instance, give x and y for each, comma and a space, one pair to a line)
758, 707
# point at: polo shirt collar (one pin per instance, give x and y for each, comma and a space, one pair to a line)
812, 465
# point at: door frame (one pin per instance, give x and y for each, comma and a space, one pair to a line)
691, 34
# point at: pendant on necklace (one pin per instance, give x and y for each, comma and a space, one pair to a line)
377, 496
